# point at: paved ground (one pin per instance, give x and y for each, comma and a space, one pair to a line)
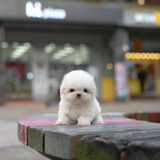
12, 149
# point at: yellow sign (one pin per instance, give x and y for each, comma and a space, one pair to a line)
157, 15
107, 88
134, 87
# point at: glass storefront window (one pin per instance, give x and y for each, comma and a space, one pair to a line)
17, 66
63, 58
143, 65
27, 66
66, 57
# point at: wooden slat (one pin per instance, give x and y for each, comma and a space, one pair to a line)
148, 149
135, 145
25, 123
35, 139
22, 133
61, 141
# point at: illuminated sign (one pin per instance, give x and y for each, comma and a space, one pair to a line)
142, 56
147, 18
36, 10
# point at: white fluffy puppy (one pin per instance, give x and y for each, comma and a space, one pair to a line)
78, 104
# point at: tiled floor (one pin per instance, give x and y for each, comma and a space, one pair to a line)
11, 148
20, 153
8, 134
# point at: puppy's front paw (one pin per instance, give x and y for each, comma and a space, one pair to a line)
82, 121
59, 122
83, 124
98, 120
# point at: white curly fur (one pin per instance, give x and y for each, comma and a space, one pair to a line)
78, 104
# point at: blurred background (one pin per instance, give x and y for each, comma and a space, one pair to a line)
118, 41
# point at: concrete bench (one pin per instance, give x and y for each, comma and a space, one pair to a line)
119, 139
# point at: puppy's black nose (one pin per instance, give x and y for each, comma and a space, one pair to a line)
78, 96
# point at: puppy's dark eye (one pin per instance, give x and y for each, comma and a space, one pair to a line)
85, 90
72, 90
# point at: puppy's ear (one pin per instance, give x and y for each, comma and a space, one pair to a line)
93, 90
93, 85
62, 89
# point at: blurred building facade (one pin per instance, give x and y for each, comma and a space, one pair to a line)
116, 41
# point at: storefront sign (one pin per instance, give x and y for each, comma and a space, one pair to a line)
60, 11
36, 10
141, 18
144, 17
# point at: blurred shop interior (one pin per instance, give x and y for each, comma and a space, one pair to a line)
61, 59
43, 43
143, 65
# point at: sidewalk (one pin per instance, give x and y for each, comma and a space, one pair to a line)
12, 149
12, 111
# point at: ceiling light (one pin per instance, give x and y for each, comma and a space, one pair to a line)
57, 56
109, 66
27, 44
67, 45
66, 51
127, 55
15, 44
50, 47
125, 47
4, 44
157, 56
147, 56
19, 51
141, 2
77, 61
69, 50
30, 75
142, 56
22, 49
82, 46
47, 49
